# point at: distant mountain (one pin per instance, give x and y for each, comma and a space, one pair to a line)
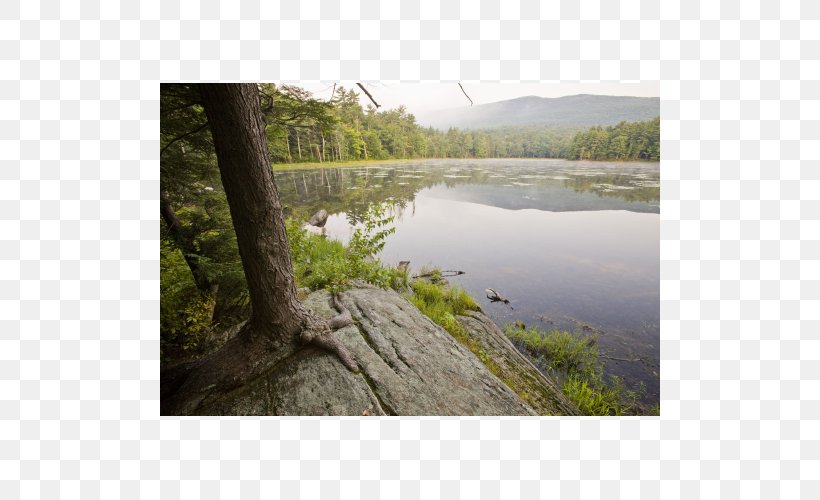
582, 110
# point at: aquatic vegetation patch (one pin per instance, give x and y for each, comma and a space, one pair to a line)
574, 361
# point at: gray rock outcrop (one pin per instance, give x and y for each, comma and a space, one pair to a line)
408, 366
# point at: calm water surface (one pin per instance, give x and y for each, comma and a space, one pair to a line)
572, 245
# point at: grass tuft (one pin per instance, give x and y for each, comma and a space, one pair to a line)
573, 360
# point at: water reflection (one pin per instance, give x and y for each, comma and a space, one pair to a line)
555, 185
571, 244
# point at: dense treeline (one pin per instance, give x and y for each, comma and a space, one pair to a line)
342, 130
625, 141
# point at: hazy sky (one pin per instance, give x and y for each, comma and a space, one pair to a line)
420, 98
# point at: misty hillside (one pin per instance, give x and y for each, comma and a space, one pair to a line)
578, 110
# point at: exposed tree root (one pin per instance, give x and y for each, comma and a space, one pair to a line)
190, 388
320, 333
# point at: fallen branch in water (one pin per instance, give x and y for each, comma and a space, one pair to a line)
495, 296
619, 359
439, 273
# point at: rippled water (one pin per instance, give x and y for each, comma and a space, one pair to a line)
572, 245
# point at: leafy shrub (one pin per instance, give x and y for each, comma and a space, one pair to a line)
319, 262
185, 313
369, 239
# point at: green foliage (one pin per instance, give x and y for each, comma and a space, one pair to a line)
593, 398
369, 238
625, 141
322, 263
442, 303
573, 359
452, 298
190, 186
185, 313
563, 353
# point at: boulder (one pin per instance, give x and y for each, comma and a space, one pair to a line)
408, 366
319, 218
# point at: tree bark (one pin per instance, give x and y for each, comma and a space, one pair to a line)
361, 137
239, 139
323, 146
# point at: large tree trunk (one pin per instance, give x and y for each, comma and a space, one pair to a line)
279, 323
239, 139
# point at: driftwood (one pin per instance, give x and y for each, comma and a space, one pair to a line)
619, 359
494, 296
440, 273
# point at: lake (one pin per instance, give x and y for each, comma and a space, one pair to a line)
572, 245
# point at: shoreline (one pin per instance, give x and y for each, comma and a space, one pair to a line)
356, 163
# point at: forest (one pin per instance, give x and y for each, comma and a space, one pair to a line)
342, 130
623, 142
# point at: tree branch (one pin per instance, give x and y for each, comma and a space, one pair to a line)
185, 243
368, 94
179, 108
465, 93
183, 136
